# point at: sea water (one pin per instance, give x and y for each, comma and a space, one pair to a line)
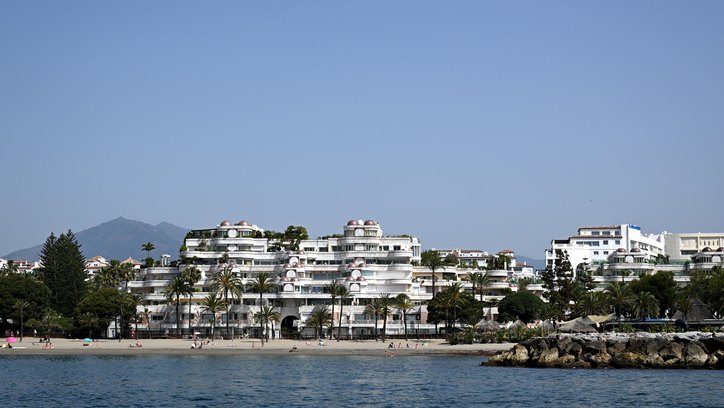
321, 381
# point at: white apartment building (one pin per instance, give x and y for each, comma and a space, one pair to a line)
594, 244
681, 246
362, 258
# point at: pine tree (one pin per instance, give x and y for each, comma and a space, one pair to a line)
64, 272
559, 284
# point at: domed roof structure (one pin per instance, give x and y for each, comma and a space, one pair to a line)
720, 249
635, 250
706, 249
361, 278
352, 223
225, 223
370, 222
243, 223
620, 250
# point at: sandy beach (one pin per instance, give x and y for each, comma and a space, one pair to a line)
250, 347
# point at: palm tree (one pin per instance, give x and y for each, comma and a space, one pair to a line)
213, 303
684, 305
432, 260
403, 303
590, 303
479, 280
88, 320
333, 290
50, 320
230, 284
267, 314
177, 288
619, 296
455, 299
645, 304
386, 302
191, 275
148, 247
261, 283
20, 306
375, 308
319, 317
343, 294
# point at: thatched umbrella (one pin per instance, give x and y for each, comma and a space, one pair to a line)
487, 326
578, 325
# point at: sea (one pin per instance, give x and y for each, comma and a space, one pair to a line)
338, 381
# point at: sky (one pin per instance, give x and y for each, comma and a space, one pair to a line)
469, 124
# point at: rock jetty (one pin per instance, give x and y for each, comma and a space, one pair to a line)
607, 350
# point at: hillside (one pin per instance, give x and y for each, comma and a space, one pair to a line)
119, 239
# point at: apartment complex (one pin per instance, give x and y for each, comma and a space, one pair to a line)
594, 245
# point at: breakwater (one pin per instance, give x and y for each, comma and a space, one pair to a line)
607, 350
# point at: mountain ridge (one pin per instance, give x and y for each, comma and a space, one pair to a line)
119, 238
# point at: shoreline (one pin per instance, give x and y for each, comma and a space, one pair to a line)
248, 347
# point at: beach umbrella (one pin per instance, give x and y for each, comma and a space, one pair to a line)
87, 340
12, 339
487, 325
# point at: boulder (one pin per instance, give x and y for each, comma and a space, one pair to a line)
653, 345
519, 355
695, 354
714, 343
595, 347
627, 360
615, 346
671, 351
600, 360
548, 357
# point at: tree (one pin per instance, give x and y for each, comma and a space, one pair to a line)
9, 268
64, 272
333, 290
662, 286
191, 275
431, 259
452, 299
559, 284
88, 320
267, 314
644, 304
708, 287
480, 280
386, 302
261, 283
619, 296
21, 305
375, 308
403, 303
148, 247
590, 303
229, 283
175, 289
520, 305
319, 317
213, 303
19, 287
343, 294
683, 304
107, 304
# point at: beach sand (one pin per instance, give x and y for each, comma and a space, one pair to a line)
251, 347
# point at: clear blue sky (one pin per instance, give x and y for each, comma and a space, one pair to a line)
477, 124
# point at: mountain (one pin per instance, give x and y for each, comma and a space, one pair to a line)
537, 263
119, 239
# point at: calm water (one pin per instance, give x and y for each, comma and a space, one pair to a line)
321, 381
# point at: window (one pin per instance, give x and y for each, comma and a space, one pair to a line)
396, 248
309, 249
605, 242
596, 233
595, 252
618, 242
